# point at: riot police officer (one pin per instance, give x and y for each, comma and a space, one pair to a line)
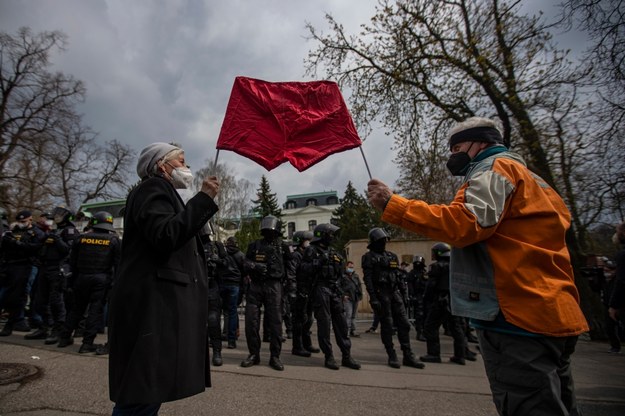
438, 308
323, 265
20, 246
383, 282
212, 251
54, 267
93, 260
301, 306
266, 261
417, 279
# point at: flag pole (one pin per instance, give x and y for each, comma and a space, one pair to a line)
215, 162
365, 159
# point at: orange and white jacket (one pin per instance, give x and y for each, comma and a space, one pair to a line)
507, 228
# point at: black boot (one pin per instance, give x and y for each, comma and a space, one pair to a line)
393, 361
411, 361
349, 362
275, 363
330, 363
428, 358
217, 361
7, 330
40, 333
251, 360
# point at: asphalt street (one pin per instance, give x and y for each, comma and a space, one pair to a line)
61, 381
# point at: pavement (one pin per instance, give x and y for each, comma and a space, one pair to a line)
63, 382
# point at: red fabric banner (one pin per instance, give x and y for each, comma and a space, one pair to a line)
275, 122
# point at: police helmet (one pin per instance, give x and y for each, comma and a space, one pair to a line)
300, 236
102, 221
418, 260
232, 242
324, 232
377, 234
440, 250
270, 223
62, 215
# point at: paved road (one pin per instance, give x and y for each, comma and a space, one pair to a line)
72, 384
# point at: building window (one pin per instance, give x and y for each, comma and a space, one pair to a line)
291, 205
290, 229
311, 225
332, 200
311, 201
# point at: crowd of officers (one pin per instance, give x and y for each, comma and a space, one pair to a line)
54, 278
289, 285
55, 281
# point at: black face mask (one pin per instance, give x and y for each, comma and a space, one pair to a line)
458, 163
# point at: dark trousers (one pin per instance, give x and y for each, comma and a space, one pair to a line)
89, 296
529, 375
328, 307
267, 294
392, 311
15, 296
438, 313
136, 409
49, 301
214, 315
302, 319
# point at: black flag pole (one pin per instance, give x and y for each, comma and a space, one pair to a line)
215, 162
365, 159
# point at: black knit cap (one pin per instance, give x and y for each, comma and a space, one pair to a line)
476, 134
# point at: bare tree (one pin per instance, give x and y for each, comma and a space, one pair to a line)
46, 155
234, 194
420, 65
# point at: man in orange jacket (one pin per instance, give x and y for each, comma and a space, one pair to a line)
510, 270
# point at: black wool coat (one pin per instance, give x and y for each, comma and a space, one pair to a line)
159, 302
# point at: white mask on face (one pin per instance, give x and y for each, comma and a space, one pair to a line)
182, 178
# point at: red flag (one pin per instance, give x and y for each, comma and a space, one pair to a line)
272, 122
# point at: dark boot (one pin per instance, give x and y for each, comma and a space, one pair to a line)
470, 355
64, 342
7, 330
102, 350
430, 358
251, 360
312, 349
275, 363
87, 348
330, 363
40, 333
349, 362
411, 361
457, 360
217, 361
393, 361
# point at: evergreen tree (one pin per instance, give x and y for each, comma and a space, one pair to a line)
266, 202
354, 216
249, 231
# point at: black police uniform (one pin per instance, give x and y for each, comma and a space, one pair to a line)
301, 307
20, 247
51, 282
94, 259
266, 259
437, 303
324, 267
214, 299
384, 285
416, 289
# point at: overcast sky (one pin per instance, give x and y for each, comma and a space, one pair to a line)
162, 70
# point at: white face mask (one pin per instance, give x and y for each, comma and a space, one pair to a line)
182, 178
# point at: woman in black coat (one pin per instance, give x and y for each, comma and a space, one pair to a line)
158, 306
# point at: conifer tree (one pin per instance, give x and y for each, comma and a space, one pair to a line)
354, 216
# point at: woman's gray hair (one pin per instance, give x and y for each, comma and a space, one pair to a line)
173, 154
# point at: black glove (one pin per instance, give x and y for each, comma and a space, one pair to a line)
260, 269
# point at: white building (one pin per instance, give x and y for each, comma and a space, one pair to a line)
305, 211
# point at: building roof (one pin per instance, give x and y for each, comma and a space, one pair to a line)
320, 198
